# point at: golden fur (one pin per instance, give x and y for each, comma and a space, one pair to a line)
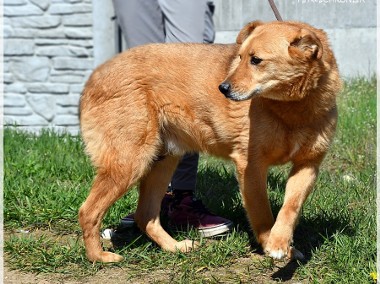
163, 100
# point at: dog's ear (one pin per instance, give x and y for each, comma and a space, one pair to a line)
306, 44
246, 31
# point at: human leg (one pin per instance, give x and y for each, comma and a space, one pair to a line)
141, 21
185, 176
188, 21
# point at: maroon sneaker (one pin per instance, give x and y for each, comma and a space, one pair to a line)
188, 212
183, 212
127, 221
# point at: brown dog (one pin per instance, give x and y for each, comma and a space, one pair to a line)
280, 82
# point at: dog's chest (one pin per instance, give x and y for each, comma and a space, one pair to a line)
303, 145
283, 155
284, 149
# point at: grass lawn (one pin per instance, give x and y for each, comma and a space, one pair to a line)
47, 177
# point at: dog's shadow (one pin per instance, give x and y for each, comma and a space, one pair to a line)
310, 234
128, 238
220, 193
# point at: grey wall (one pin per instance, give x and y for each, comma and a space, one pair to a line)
51, 47
350, 24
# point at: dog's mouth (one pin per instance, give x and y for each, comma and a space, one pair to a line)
237, 96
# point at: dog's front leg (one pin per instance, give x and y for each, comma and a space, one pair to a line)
298, 187
253, 182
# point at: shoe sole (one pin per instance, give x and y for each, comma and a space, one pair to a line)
107, 234
205, 233
216, 231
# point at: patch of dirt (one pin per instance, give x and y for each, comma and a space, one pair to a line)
110, 275
253, 269
242, 271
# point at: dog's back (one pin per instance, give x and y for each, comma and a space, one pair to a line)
160, 67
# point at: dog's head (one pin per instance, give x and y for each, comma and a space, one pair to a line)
278, 60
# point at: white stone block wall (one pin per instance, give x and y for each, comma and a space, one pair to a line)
48, 56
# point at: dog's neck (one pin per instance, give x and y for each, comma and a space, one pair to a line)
313, 100
315, 106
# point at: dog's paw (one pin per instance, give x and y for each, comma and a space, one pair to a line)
276, 254
186, 245
106, 256
277, 248
278, 245
289, 253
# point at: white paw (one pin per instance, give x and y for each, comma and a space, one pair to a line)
280, 254
277, 254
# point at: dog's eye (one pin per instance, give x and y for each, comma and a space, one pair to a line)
255, 60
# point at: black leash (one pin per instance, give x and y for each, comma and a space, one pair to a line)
275, 10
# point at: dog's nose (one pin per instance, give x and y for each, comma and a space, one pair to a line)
225, 88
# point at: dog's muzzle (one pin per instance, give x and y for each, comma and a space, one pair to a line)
227, 91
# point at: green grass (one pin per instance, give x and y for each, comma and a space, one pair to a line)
47, 177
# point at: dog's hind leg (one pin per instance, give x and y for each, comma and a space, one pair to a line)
122, 145
109, 185
152, 189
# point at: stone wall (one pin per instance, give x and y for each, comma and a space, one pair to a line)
48, 54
